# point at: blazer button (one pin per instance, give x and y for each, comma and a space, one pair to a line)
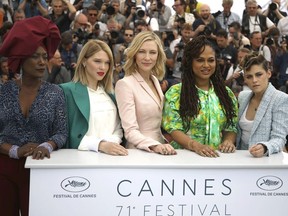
80, 135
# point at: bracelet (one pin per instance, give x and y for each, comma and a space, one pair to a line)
46, 145
13, 152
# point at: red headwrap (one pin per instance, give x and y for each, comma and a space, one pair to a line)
26, 36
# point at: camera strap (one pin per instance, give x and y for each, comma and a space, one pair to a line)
226, 18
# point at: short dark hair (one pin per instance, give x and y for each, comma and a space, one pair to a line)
222, 33
253, 33
235, 25
92, 7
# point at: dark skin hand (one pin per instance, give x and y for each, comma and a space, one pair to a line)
38, 153
25, 150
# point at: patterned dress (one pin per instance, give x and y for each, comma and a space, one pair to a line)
211, 121
46, 120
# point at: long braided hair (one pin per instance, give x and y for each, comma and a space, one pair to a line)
189, 98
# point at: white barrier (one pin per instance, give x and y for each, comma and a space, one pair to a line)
72, 183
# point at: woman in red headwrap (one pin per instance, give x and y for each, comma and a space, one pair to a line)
32, 112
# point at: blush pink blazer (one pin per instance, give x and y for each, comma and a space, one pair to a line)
140, 111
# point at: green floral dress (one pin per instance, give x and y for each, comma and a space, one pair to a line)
208, 126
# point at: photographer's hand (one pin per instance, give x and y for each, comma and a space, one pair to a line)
89, 27
200, 29
236, 74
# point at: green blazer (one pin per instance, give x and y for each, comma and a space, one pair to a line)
78, 112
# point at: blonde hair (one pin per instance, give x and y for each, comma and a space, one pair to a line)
130, 65
88, 50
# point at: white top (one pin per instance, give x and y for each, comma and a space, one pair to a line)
254, 24
104, 123
138, 159
246, 127
283, 26
153, 23
265, 51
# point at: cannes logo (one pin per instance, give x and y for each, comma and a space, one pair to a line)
269, 183
75, 184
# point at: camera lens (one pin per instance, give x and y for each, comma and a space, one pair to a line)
273, 6
140, 13
110, 10
114, 34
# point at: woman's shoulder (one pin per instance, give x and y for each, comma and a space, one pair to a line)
244, 94
67, 85
125, 81
52, 88
281, 97
174, 91
230, 92
9, 86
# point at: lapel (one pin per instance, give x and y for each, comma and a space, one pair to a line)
146, 87
245, 101
81, 99
263, 106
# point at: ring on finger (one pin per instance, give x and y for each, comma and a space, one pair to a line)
40, 152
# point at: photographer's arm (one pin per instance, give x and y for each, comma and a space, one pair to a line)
266, 12
22, 4
164, 15
130, 17
278, 14
197, 31
78, 5
101, 11
41, 8
71, 8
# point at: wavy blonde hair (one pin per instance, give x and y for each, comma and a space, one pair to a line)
130, 65
89, 49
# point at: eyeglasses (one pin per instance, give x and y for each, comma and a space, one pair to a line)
176, 5
129, 35
92, 14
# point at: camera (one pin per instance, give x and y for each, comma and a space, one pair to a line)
207, 31
159, 5
82, 36
110, 10
235, 36
140, 12
240, 79
284, 38
227, 57
269, 41
273, 6
114, 34
5, 7
181, 20
180, 45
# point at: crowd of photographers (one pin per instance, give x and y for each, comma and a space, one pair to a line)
117, 22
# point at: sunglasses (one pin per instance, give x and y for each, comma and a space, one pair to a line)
92, 14
129, 35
